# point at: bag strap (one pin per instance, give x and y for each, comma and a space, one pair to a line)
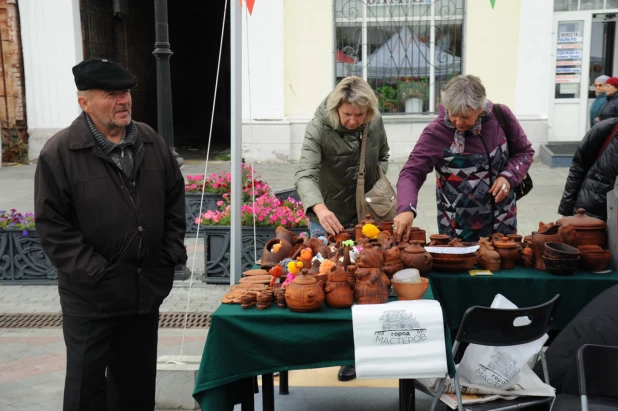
497, 110
360, 180
607, 141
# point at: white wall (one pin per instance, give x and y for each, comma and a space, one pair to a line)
52, 45
534, 62
262, 56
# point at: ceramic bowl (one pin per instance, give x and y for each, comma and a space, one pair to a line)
411, 291
595, 260
560, 266
560, 250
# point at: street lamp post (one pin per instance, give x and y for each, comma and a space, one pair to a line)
163, 53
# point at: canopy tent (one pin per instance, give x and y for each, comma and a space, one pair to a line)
404, 55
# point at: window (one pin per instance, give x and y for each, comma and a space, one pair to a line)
580, 5
389, 43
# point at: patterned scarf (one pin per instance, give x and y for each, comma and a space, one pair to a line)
122, 153
459, 142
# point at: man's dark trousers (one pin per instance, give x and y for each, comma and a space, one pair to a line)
111, 362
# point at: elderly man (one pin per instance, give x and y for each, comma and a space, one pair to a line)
109, 205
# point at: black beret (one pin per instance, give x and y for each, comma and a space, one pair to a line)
102, 74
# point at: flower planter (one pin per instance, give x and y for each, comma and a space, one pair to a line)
22, 260
192, 207
217, 249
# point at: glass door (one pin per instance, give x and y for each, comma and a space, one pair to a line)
569, 80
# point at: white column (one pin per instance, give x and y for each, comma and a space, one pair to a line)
264, 62
52, 45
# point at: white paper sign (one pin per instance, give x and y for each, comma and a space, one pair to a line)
568, 63
568, 78
569, 88
569, 54
568, 70
569, 46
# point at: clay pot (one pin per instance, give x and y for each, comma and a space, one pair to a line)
439, 239
595, 260
317, 246
589, 230
392, 262
416, 234
507, 249
489, 259
555, 233
338, 293
454, 264
271, 258
386, 225
370, 257
385, 238
368, 220
304, 294
411, 291
358, 232
560, 251
371, 286
415, 256
527, 257
315, 268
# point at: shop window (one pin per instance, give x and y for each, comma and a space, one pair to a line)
582, 5
396, 56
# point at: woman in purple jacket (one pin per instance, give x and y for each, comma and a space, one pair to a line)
477, 162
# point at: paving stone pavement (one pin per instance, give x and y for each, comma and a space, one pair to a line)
32, 360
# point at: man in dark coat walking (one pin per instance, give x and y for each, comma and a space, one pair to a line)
109, 207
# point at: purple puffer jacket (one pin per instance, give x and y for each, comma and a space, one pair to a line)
462, 180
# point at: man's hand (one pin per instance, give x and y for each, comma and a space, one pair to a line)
402, 225
501, 188
327, 218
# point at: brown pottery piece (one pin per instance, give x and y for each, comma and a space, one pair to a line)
594, 261
556, 233
392, 262
489, 258
371, 286
415, 256
589, 230
338, 293
527, 257
439, 239
508, 253
271, 258
305, 293
411, 291
287, 235
386, 225
416, 234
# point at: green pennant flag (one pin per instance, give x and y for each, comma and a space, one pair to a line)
493, 2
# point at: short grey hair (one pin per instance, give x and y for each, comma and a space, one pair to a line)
463, 93
353, 90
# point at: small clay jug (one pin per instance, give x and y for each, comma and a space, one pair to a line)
338, 293
439, 239
415, 256
386, 225
358, 232
368, 220
305, 293
416, 234
527, 257
508, 253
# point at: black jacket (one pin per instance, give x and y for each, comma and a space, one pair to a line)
114, 241
610, 109
589, 179
596, 323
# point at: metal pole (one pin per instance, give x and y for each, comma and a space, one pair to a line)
163, 53
236, 140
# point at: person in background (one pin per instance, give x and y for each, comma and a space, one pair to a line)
610, 108
599, 101
110, 213
477, 163
328, 167
593, 171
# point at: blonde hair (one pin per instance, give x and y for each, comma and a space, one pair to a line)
353, 90
463, 93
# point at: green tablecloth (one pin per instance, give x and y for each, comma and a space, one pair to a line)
524, 287
243, 343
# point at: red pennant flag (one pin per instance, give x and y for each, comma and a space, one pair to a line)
250, 4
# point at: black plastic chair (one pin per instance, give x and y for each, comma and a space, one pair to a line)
494, 327
597, 372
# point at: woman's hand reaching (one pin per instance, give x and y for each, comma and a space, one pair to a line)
402, 225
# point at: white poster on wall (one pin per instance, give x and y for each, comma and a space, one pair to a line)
569, 54
568, 78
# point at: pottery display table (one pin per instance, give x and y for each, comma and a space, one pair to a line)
244, 343
525, 287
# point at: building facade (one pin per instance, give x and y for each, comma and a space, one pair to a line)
537, 57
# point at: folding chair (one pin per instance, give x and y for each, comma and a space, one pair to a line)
597, 372
494, 327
